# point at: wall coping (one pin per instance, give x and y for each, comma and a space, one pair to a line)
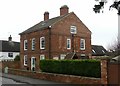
55, 74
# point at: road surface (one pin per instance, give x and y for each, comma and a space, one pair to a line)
14, 79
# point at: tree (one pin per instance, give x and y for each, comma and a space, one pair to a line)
114, 49
100, 6
17, 58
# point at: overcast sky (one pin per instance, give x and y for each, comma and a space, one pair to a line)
19, 15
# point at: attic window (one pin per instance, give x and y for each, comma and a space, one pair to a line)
73, 30
93, 51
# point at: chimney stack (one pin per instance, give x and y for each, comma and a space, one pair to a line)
64, 10
46, 15
10, 38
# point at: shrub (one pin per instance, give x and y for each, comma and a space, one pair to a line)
88, 68
17, 58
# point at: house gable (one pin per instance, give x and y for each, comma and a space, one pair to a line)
62, 26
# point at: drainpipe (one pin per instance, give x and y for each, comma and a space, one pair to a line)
49, 45
73, 43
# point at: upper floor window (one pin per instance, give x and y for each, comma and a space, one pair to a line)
25, 44
10, 54
68, 43
25, 60
82, 44
33, 44
42, 43
73, 30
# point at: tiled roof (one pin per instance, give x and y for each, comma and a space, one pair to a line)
71, 56
98, 50
44, 24
9, 46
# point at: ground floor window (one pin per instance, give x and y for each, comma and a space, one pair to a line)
55, 58
62, 56
25, 60
83, 56
42, 57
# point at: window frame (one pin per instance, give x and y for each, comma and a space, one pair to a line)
25, 45
25, 60
33, 44
82, 47
10, 54
41, 46
68, 43
73, 28
62, 56
42, 56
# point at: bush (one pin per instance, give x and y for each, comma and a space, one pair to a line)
88, 68
17, 58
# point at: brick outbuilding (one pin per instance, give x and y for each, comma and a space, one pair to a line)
54, 39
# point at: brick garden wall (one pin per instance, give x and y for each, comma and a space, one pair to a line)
70, 79
10, 64
109, 74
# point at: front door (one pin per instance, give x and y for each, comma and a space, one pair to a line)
33, 63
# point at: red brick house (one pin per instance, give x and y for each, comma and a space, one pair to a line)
53, 39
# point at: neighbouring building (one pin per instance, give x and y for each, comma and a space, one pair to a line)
9, 49
54, 39
99, 51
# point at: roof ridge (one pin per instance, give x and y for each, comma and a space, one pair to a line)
8, 41
44, 24
62, 18
96, 45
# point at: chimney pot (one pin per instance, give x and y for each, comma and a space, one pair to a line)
46, 15
10, 38
64, 10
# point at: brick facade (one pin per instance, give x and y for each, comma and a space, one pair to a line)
56, 37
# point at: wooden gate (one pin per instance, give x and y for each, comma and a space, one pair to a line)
113, 73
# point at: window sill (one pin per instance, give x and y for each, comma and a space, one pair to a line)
25, 64
82, 49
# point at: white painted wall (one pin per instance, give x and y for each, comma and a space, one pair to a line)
4, 55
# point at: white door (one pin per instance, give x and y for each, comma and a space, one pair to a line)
33, 63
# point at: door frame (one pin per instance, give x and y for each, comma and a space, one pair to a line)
33, 65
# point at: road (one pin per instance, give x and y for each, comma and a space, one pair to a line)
9, 81
14, 79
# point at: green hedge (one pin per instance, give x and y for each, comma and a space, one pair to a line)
88, 68
17, 58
